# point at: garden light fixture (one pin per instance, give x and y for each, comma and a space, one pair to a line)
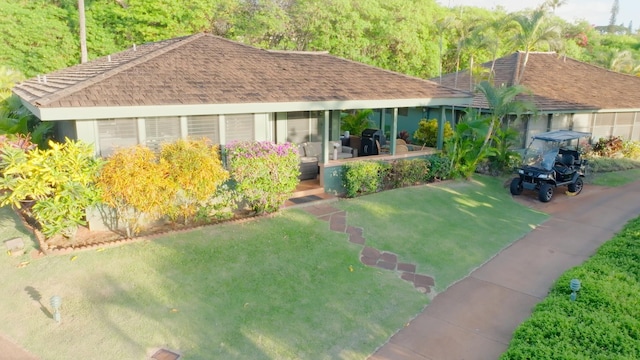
574, 285
56, 301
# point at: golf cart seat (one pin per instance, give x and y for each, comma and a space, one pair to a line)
568, 159
564, 163
575, 157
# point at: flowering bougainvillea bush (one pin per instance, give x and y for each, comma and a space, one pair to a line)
266, 174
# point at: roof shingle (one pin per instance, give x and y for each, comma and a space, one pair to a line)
206, 69
558, 83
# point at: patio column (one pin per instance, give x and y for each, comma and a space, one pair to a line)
441, 121
394, 132
325, 138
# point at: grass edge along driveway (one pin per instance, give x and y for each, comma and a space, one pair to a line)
274, 288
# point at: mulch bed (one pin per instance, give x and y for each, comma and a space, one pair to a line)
86, 239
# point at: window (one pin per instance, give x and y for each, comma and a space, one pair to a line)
115, 133
161, 130
303, 126
239, 127
208, 126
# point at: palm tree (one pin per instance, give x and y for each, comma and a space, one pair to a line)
502, 102
442, 25
554, 4
531, 31
480, 38
624, 62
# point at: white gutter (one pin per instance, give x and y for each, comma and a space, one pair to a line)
111, 112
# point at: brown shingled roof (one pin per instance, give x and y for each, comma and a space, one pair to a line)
558, 83
206, 69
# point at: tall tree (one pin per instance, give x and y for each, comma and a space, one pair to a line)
554, 4
614, 15
83, 32
532, 30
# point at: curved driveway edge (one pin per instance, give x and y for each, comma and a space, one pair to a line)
11, 351
475, 318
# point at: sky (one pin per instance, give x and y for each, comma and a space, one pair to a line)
596, 12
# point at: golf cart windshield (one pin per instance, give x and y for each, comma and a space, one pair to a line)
541, 154
543, 150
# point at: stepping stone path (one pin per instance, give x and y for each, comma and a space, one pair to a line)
369, 256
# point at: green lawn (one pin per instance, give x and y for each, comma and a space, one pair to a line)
273, 288
616, 178
448, 229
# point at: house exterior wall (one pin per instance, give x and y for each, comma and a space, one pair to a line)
108, 134
626, 125
65, 129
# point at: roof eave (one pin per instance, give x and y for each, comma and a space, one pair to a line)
110, 112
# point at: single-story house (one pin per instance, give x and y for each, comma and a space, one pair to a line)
207, 86
568, 94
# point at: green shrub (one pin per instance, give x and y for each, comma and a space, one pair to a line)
427, 133
603, 322
604, 164
409, 172
631, 150
266, 174
60, 180
438, 168
197, 171
502, 158
364, 177
220, 206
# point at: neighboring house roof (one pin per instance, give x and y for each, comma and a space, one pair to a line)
206, 74
558, 84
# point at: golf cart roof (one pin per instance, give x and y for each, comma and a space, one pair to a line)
561, 135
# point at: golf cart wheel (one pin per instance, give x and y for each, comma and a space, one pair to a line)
546, 193
516, 186
576, 187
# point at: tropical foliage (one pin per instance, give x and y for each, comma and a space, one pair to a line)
59, 181
420, 38
603, 321
197, 171
356, 122
265, 174
137, 186
427, 132
478, 136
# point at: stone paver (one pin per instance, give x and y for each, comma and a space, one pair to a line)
370, 256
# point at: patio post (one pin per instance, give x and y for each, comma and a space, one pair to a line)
325, 138
394, 132
441, 121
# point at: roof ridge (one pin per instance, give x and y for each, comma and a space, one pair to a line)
319, 52
391, 71
99, 76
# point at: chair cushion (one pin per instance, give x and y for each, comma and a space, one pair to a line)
313, 149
